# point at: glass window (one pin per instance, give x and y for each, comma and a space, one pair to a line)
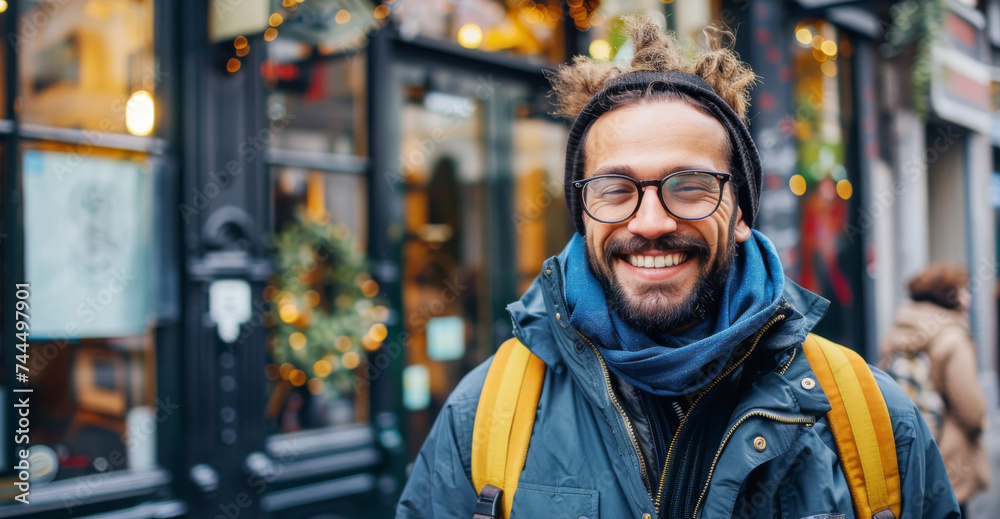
87, 64
606, 34
541, 220
321, 101
325, 312
826, 255
88, 224
446, 268
527, 28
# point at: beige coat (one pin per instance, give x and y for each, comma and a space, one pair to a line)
944, 335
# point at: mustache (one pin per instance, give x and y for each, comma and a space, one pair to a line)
634, 244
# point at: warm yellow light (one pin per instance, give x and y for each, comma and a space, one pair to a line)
232, 65
535, 15
3, 6
381, 313
378, 332
370, 344
600, 49
845, 189
275, 20
351, 360
470, 36
140, 113
297, 377
243, 52
343, 16
804, 36
817, 41
240, 42
286, 370
381, 12
270, 34
297, 340
342, 343
797, 184
829, 68
311, 298
288, 313
829, 47
343, 301
369, 288
322, 368
315, 386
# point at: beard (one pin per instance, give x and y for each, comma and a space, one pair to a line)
656, 309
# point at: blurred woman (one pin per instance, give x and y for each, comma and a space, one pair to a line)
930, 345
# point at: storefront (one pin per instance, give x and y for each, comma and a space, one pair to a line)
264, 244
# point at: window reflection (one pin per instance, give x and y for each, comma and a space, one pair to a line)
608, 38
322, 99
88, 260
325, 314
541, 221
527, 28
81, 66
825, 255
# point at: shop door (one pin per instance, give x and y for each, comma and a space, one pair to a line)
480, 166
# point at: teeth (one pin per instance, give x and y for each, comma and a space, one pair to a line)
667, 260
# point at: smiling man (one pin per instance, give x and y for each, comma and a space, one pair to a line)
670, 344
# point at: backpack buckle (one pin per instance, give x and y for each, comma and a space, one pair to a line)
488, 503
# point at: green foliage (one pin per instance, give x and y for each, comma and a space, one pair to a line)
917, 22
319, 291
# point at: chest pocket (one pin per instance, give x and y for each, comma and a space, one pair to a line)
532, 501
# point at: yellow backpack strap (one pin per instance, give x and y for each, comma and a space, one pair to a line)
861, 427
502, 429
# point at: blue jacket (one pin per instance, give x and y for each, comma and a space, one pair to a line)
584, 457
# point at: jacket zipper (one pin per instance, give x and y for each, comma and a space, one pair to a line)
808, 420
788, 363
673, 441
628, 423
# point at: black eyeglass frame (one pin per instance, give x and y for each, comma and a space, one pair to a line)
641, 186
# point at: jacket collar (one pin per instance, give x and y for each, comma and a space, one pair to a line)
539, 323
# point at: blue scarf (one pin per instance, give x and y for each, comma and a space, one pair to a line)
676, 364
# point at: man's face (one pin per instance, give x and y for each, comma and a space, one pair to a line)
648, 142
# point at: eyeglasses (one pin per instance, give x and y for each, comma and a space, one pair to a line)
685, 195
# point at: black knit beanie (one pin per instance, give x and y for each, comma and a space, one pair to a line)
745, 160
